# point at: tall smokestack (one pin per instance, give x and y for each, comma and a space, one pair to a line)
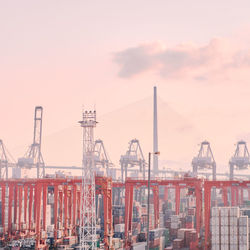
155, 135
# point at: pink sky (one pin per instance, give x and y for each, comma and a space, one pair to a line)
65, 54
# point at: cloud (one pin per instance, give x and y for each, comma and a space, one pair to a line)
198, 62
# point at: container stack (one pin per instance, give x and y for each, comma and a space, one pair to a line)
243, 233
233, 227
215, 228
229, 230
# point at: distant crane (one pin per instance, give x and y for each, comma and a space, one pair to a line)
33, 158
241, 158
88, 203
133, 157
5, 162
101, 158
204, 160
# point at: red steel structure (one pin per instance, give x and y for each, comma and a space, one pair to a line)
30, 200
234, 186
178, 184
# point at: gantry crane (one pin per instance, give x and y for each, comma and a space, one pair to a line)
241, 158
33, 158
5, 162
133, 157
102, 160
204, 160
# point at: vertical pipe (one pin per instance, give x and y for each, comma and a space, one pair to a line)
165, 193
177, 199
20, 201
60, 208
241, 196
10, 207
74, 205
38, 214
207, 206
237, 195
15, 204
30, 206
70, 207
25, 202
110, 210
224, 193
232, 196
131, 190
156, 205
65, 210
128, 211
78, 204
45, 188
105, 208
55, 209
3, 207
198, 195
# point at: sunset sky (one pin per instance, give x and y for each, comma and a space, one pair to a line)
108, 55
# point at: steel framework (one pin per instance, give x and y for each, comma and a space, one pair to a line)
26, 216
102, 161
5, 162
88, 208
33, 158
133, 157
240, 160
130, 184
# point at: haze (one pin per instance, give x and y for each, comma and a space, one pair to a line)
108, 55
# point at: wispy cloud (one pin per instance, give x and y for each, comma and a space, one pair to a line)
217, 57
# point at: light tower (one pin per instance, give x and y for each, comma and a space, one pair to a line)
204, 160
33, 158
240, 160
88, 208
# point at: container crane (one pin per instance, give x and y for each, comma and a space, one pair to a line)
133, 157
5, 162
102, 160
204, 160
33, 158
240, 160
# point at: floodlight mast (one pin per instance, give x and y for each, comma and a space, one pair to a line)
88, 207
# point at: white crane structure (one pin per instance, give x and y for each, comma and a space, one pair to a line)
5, 162
133, 157
204, 160
103, 164
88, 205
33, 158
241, 158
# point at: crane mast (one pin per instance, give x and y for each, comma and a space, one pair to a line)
88, 208
35, 150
